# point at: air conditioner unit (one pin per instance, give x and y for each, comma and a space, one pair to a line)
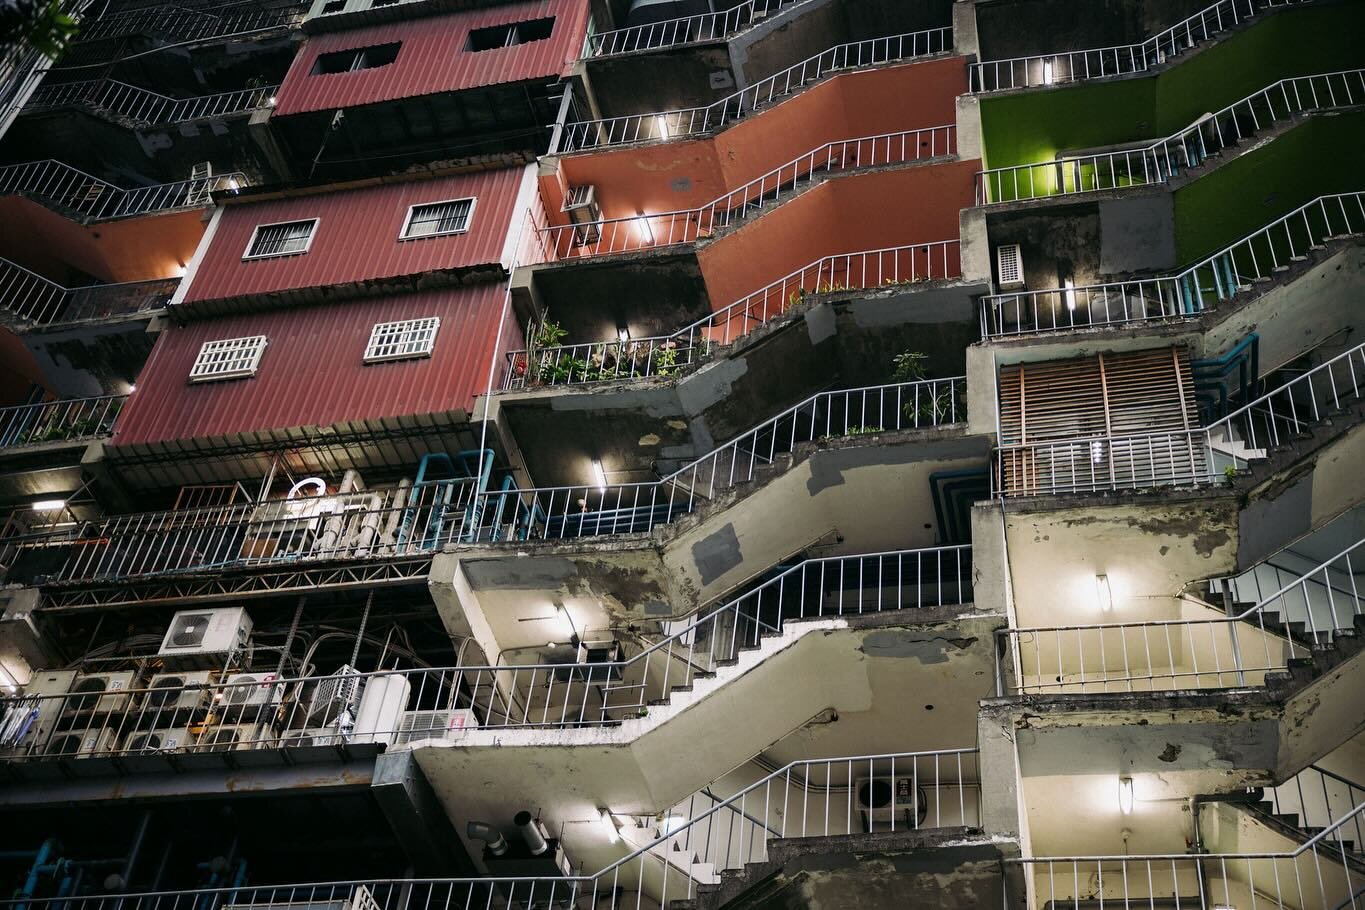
311, 736
595, 662
335, 695
169, 692
225, 737
82, 743
581, 206
448, 724
219, 631
1009, 265
251, 690
882, 799
173, 739
44, 700
359, 899
88, 692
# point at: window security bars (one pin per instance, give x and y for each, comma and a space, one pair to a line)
73, 190
447, 703
286, 239
1189, 458
141, 107
438, 218
1122, 60
416, 521
588, 134
230, 358
812, 798
1227, 273
618, 235
1317, 874
1168, 158
65, 420
667, 355
703, 27
1179, 654
34, 298
402, 340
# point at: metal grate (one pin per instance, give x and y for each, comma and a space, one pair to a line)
1010, 263
400, 340
449, 217
230, 358
281, 239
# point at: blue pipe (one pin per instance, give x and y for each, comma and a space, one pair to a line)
42, 862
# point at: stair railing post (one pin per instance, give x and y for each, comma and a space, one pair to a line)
1237, 664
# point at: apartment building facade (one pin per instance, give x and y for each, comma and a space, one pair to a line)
595, 454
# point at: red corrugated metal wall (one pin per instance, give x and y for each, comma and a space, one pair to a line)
357, 236
433, 57
312, 374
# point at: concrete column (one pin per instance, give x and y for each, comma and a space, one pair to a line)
459, 608
1000, 815
982, 395
417, 817
965, 39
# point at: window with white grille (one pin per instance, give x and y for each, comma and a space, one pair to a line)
229, 358
434, 218
289, 238
400, 340
1009, 263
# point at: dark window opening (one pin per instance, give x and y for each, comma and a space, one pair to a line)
360, 58
334, 6
510, 35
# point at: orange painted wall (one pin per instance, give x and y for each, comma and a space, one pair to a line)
845, 215
129, 249
872, 102
19, 370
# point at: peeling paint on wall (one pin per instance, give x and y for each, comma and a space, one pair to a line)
717, 554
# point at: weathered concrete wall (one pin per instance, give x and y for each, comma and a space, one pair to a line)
90, 360
1019, 28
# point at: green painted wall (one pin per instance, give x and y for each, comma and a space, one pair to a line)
1323, 155
1034, 126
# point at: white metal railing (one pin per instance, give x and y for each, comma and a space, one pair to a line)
414, 521
1319, 799
815, 798
262, 710
589, 134
1121, 60
667, 355
74, 190
1231, 270
1317, 874
591, 510
1184, 458
32, 297
685, 29
1228, 652
641, 232
189, 24
1167, 158
144, 107
63, 420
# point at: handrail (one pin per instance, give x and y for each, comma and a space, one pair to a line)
662, 125
938, 780
1166, 158
685, 29
74, 190
1057, 654
145, 107
61, 420
666, 355
41, 301
1119, 60
519, 696
1221, 276
189, 24
665, 229
1191, 457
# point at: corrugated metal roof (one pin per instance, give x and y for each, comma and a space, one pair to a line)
357, 236
312, 373
433, 57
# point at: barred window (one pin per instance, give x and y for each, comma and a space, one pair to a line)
400, 340
433, 218
510, 34
229, 358
284, 239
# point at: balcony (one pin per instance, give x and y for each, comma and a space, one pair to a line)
34, 299
188, 25
74, 192
62, 421
139, 107
687, 29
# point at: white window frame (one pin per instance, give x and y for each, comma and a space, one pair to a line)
313, 232
251, 348
468, 221
395, 330
1009, 258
